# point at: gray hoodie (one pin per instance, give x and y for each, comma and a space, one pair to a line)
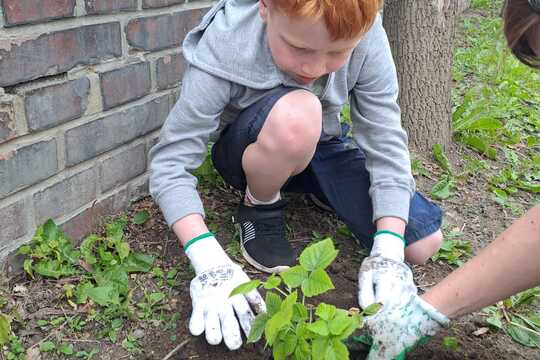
230, 67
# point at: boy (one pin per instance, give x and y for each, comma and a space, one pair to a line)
276, 73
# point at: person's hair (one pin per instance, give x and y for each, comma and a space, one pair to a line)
344, 19
521, 27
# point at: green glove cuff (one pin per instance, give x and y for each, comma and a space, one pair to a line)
380, 232
195, 239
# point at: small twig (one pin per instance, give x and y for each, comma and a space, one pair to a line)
500, 305
54, 333
175, 350
81, 340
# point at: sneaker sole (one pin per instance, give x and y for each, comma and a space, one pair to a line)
253, 262
318, 203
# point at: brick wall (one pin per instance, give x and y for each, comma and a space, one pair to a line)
84, 87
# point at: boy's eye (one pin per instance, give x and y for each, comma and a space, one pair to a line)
296, 48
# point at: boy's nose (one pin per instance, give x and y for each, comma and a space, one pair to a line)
314, 70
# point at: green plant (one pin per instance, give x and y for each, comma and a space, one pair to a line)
152, 302
131, 344
450, 343
294, 329
14, 349
496, 105
141, 217
511, 315
87, 355
453, 250
445, 187
207, 174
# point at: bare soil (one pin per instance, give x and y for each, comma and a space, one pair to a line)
471, 210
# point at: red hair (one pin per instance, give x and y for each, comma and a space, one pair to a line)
344, 19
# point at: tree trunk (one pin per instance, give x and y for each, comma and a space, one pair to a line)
421, 35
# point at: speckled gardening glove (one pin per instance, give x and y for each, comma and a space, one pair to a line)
399, 329
213, 310
383, 276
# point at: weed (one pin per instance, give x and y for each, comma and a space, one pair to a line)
445, 187
453, 250
450, 343
141, 217
87, 355
131, 344
294, 329
418, 168
511, 316
500, 113
15, 349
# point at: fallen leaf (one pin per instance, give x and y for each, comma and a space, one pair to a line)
481, 331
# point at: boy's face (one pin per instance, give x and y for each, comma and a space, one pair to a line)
302, 48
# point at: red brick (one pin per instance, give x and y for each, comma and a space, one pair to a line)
56, 104
109, 6
170, 70
164, 31
32, 11
13, 223
88, 221
58, 52
125, 84
147, 4
7, 121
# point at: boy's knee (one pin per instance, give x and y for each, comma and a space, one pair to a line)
420, 251
295, 122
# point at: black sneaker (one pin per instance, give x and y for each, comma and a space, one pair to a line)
263, 239
320, 203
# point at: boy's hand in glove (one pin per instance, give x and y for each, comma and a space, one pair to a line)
213, 310
383, 276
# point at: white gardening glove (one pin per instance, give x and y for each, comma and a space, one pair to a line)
213, 309
397, 330
383, 276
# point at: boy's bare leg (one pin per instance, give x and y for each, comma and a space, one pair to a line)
285, 145
420, 251
508, 265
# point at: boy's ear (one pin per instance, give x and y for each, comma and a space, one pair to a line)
263, 9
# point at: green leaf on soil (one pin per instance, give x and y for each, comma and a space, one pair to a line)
141, 217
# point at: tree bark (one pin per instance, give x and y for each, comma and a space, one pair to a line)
421, 35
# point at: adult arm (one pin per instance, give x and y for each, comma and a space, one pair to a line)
507, 266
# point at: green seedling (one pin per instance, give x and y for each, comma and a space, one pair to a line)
453, 250
445, 187
450, 343
87, 355
500, 113
153, 303
131, 344
141, 217
47, 346
66, 349
418, 168
294, 329
14, 349
514, 316
5, 328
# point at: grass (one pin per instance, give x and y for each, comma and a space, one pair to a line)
496, 107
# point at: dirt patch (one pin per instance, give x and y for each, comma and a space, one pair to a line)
471, 210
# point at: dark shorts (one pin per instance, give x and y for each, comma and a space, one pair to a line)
337, 175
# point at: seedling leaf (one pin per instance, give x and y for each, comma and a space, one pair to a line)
318, 255
141, 217
317, 283
245, 288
